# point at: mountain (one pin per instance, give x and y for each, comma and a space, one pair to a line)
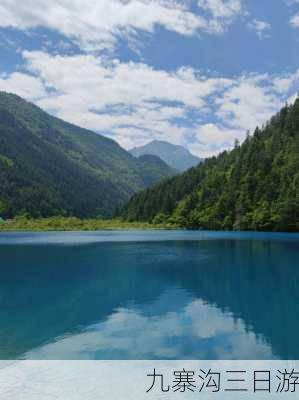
50, 167
175, 156
253, 187
154, 169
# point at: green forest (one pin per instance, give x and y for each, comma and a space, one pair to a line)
255, 186
23, 223
52, 168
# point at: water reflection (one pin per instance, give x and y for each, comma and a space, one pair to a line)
205, 299
197, 330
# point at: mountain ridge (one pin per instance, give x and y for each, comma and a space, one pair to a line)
51, 167
177, 157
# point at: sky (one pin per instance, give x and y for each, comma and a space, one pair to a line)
199, 73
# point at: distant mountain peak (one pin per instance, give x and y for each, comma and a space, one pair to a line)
177, 157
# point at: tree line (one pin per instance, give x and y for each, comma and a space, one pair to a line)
255, 186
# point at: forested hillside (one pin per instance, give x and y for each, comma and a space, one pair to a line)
153, 169
253, 187
50, 167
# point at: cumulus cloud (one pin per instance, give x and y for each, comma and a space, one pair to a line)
252, 101
135, 103
132, 100
96, 25
262, 28
24, 85
212, 138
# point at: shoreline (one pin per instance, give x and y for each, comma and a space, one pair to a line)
73, 224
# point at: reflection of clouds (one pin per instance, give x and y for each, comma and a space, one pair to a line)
110, 380
196, 331
208, 321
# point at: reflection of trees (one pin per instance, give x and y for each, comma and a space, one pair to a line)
255, 281
46, 292
51, 291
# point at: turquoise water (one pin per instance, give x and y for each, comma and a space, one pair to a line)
149, 295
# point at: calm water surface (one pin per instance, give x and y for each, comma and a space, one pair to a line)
149, 295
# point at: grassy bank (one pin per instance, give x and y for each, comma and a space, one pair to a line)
75, 224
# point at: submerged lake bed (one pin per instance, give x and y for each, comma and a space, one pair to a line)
142, 295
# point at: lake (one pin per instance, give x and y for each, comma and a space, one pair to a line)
149, 295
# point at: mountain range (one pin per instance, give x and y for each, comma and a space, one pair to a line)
50, 167
255, 186
175, 156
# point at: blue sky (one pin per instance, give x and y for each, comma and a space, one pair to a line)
199, 73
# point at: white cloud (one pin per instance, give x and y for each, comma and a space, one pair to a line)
24, 85
222, 12
95, 25
221, 8
295, 21
284, 83
135, 103
262, 28
212, 138
248, 103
